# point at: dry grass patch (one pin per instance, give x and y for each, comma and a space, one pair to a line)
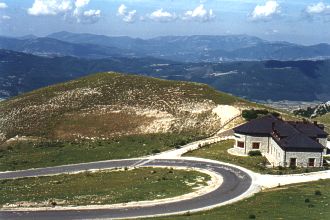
89, 125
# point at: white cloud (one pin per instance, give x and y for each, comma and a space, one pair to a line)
130, 16
89, 16
318, 9
5, 17
92, 13
127, 16
199, 14
3, 5
81, 3
162, 16
266, 11
50, 7
73, 10
122, 10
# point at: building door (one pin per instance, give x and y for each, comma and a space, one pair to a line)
293, 162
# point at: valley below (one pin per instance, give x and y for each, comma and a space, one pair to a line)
261, 81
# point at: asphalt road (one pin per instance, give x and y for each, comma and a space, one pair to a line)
235, 183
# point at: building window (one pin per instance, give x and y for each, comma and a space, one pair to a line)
256, 146
311, 162
240, 144
293, 162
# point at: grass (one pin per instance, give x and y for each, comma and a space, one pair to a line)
107, 187
44, 112
219, 152
303, 201
25, 155
257, 163
325, 119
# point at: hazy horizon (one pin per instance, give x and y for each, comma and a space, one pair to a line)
303, 22
147, 38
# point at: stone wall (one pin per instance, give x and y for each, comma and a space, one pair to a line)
302, 158
241, 138
248, 143
274, 153
263, 141
323, 141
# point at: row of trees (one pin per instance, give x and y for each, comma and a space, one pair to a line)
257, 113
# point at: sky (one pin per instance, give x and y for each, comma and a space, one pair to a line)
304, 22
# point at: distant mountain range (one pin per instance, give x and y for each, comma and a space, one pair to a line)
201, 48
255, 80
56, 48
177, 48
22, 72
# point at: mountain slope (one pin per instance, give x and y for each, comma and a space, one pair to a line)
201, 48
110, 105
196, 49
53, 47
21, 72
315, 111
255, 80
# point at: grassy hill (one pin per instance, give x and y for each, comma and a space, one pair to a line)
109, 104
107, 116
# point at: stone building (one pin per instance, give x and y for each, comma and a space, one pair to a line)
283, 143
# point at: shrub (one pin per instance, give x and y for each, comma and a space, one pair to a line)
293, 167
252, 216
52, 203
255, 153
253, 114
318, 193
88, 174
307, 200
155, 151
249, 114
187, 214
256, 113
